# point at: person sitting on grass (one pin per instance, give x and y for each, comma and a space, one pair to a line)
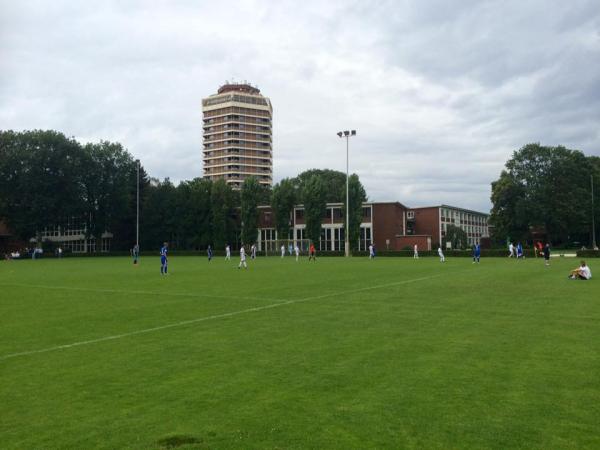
583, 272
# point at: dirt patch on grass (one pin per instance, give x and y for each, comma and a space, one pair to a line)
178, 441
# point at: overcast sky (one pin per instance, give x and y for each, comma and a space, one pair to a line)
440, 93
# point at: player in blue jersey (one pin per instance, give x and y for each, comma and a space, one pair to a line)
163, 258
520, 251
209, 253
476, 253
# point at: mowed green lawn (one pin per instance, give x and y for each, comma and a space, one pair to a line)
390, 353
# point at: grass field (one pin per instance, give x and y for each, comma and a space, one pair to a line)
390, 353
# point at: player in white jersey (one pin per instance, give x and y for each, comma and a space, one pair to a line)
511, 250
242, 258
282, 251
416, 252
297, 251
441, 253
227, 253
371, 252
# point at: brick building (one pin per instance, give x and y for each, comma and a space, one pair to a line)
389, 225
434, 221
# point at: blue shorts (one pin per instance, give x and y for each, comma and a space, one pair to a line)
163, 260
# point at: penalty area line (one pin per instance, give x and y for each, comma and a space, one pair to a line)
212, 317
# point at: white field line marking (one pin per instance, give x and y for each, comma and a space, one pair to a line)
119, 291
213, 317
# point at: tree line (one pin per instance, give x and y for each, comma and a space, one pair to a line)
47, 178
546, 192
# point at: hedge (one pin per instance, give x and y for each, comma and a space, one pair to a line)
588, 253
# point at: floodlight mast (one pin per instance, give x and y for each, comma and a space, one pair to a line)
137, 207
347, 134
593, 218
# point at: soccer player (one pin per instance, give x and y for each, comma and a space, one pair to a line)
253, 251
519, 251
441, 253
416, 252
511, 250
538, 249
242, 257
371, 251
227, 253
297, 251
290, 248
583, 272
476, 253
282, 250
312, 253
547, 254
163, 258
209, 253
135, 252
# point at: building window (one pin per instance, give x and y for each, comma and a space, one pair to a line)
299, 214
411, 214
367, 212
365, 238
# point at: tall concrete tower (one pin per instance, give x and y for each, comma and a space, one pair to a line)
238, 135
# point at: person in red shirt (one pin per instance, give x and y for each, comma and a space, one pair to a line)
539, 248
312, 253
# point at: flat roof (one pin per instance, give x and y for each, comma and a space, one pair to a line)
453, 207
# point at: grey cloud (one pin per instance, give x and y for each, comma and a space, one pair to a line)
441, 92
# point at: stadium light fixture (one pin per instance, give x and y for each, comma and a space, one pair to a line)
347, 134
137, 207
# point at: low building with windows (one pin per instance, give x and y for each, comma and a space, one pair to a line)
387, 225
434, 221
72, 236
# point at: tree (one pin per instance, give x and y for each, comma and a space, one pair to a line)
223, 218
109, 179
357, 197
159, 220
334, 183
199, 213
542, 188
40, 180
283, 199
507, 215
192, 209
456, 236
314, 199
249, 198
